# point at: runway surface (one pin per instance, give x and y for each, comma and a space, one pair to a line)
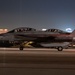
37, 61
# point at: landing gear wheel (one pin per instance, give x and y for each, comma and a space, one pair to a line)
60, 48
21, 48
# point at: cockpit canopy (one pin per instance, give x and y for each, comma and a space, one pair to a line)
56, 31
22, 29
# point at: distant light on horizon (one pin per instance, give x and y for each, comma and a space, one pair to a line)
44, 29
3, 30
68, 29
6, 30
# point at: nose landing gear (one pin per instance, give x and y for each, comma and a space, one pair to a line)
21, 47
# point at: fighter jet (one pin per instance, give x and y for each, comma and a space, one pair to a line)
49, 38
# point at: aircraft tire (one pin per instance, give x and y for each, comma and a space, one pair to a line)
60, 48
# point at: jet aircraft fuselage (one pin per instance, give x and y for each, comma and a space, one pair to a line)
19, 35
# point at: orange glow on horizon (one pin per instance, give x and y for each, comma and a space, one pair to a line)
3, 30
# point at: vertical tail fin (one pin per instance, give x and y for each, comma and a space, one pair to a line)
73, 33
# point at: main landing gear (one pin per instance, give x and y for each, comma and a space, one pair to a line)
60, 48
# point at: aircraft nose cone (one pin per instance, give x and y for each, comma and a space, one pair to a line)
1, 36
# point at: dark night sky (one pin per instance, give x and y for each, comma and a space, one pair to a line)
37, 14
